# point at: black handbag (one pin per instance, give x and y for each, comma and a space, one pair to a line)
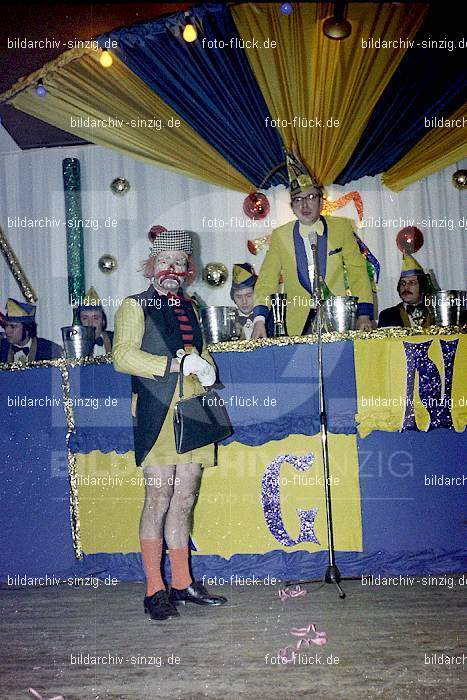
199, 420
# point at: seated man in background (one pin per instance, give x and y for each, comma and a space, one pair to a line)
412, 288
242, 293
21, 343
91, 313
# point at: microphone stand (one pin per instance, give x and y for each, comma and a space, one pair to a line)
332, 574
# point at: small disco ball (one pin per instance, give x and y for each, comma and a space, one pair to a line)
409, 239
120, 186
107, 264
459, 179
215, 274
256, 205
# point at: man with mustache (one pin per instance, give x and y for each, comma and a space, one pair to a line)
153, 331
411, 311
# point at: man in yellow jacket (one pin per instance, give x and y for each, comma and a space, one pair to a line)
290, 255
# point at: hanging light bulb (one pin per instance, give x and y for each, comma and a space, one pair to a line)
189, 33
337, 26
286, 8
106, 59
40, 89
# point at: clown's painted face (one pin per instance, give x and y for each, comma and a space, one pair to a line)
170, 269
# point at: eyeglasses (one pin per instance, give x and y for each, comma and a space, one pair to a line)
309, 198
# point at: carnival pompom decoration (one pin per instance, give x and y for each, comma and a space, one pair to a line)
256, 205
409, 239
154, 232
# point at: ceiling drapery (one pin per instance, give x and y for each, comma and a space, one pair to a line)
228, 98
311, 76
438, 149
82, 89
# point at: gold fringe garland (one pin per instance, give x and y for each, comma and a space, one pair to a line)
377, 334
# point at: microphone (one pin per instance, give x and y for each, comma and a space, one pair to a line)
313, 269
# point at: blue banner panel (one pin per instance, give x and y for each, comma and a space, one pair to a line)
273, 392
35, 513
101, 399
413, 491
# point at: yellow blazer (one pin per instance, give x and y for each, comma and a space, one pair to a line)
338, 245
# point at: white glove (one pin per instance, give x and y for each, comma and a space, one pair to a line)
194, 364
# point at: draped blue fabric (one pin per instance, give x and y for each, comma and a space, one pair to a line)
429, 82
213, 89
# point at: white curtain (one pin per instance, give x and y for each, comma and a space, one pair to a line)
31, 187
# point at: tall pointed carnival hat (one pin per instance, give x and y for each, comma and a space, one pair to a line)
300, 178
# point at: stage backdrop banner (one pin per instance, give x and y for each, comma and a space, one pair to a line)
411, 384
260, 499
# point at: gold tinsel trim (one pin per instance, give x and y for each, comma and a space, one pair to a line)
378, 334
61, 363
16, 269
71, 459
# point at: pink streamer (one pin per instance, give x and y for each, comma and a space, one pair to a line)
287, 654
38, 696
296, 592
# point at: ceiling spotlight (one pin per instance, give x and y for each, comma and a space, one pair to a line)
189, 33
40, 89
106, 59
337, 26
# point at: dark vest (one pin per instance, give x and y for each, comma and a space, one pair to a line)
161, 337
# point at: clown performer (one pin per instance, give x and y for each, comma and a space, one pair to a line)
412, 288
153, 331
290, 254
21, 343
242, 294
91, 313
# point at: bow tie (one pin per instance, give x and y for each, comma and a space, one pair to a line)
411, 308
244, 319
99, 341
16, 348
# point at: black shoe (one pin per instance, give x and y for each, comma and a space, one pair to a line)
159, 606
195, 593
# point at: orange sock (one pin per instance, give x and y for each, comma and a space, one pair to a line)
151, 554
181, 577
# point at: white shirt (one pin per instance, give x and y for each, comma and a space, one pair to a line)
19, 356
99, 350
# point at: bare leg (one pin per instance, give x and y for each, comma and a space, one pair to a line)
159, 489
158, 493
179, 521
179, 517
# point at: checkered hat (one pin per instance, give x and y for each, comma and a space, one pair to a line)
161, 239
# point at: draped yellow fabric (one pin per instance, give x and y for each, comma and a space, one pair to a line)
382, 392
442, 146
311, 76
78, 87
228, 516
